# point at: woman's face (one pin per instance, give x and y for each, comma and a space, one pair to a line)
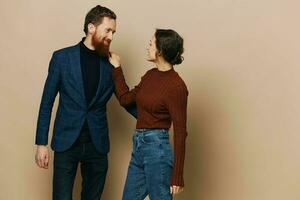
151, 50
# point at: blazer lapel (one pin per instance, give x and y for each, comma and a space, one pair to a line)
76, 68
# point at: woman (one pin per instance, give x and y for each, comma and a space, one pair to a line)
161, 98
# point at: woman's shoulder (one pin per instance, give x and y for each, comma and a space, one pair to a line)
179, 82
148, 72
151, 70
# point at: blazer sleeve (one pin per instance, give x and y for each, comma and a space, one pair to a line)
132, 109
50, 91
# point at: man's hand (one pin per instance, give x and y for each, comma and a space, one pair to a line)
175, 189
42, 156
114, 59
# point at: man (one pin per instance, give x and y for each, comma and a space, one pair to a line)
82, 76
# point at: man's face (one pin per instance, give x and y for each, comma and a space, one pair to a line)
103, 35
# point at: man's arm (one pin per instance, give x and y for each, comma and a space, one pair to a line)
132, 109
50, 91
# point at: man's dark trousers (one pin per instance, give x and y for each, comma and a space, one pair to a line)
93, 171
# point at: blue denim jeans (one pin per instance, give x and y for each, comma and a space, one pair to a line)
150, 167
93, 171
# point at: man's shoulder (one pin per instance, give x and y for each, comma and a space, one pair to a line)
64, 51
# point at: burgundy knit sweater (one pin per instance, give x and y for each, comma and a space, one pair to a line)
161, 99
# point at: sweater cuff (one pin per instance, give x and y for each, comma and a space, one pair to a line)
177, 180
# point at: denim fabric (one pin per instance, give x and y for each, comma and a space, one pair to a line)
150, 167
93, 171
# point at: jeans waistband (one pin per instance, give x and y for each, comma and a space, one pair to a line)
150, 131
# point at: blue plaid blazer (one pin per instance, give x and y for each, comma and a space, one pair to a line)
65, 77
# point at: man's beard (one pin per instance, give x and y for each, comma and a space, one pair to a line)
101, 48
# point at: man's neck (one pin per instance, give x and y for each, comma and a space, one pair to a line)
88, 43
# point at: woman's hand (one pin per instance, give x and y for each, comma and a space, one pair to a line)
175, 189
114, 59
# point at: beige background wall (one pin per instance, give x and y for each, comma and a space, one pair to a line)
241, 67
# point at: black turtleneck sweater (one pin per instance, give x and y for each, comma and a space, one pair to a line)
90, 68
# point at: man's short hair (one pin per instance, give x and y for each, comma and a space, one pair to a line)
96, 15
